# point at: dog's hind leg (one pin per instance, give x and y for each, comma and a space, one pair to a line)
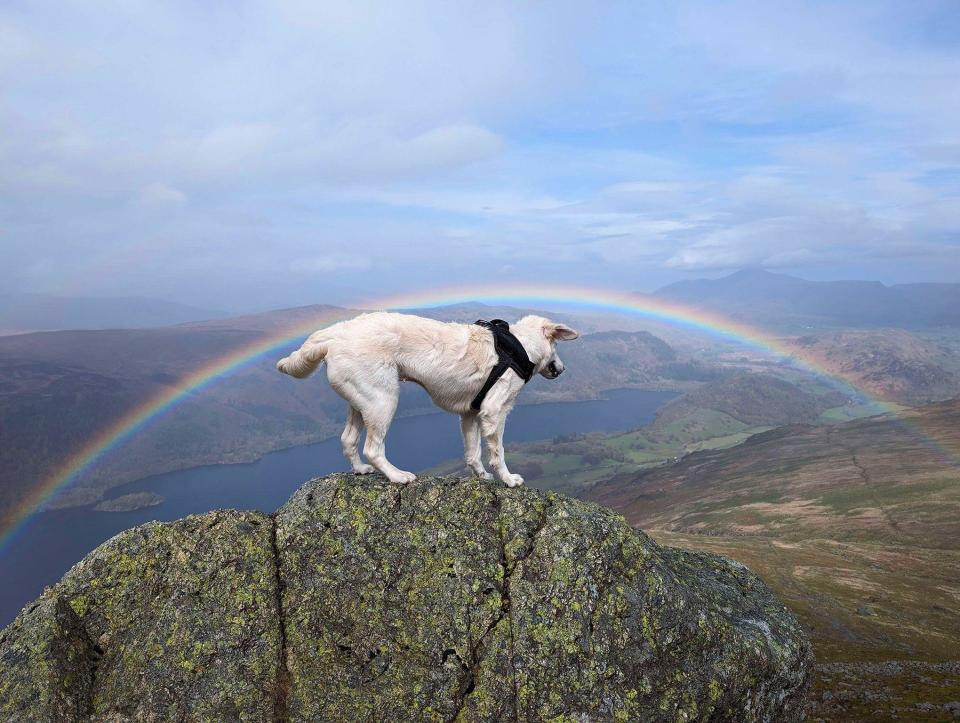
373, 391
377, 416
470, 426
375, 395
349, 440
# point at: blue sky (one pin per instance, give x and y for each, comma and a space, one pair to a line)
247, 155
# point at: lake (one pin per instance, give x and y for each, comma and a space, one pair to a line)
54, 541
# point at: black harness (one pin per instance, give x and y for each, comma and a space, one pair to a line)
510, 355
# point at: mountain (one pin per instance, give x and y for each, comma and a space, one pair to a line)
855, 526
59, 389
847, 482
620, 359
750, 399
785, 302
892, 364
450, 599
940, 301
41, 312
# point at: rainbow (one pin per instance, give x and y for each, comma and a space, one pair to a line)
601, 300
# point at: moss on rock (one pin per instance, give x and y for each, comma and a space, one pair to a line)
448, 599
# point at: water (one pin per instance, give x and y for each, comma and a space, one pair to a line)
56, 540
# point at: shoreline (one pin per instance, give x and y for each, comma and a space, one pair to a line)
95, 495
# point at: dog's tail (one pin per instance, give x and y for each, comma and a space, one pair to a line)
304, 361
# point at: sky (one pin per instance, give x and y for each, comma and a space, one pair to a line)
241, 155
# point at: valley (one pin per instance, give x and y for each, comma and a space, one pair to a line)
713, 415
59, 388
855, 526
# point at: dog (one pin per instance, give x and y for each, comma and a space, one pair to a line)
368, 356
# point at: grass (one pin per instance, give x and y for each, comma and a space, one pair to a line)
862, 604
855, 527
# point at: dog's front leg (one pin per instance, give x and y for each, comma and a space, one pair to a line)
491, 425
470, 426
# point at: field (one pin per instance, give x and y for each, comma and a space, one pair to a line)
857, 529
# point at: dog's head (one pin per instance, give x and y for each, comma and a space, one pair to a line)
539, 337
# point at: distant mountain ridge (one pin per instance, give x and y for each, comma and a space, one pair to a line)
779, 300
21, 313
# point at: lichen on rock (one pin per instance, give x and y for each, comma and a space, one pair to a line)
447, 599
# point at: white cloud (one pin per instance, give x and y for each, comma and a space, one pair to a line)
328, 263
623, 143
226, 149
369, 153
160, 194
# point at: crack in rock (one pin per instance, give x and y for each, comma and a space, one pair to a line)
283, 681
477, 652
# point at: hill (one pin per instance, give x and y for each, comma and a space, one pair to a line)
58, 389
621, 359
779, 301
751, 399
21, 313
444, 600
855, 526
892, 364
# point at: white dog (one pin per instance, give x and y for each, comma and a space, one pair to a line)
368, 356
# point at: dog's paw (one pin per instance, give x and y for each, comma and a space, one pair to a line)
403, 477
364, 469
483, 475
513, 480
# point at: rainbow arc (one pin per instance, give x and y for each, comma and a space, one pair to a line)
112, 437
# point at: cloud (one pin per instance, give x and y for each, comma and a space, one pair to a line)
222, 150
159, 194
329, 263
627, 144
364, 153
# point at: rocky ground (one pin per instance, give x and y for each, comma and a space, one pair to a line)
450, 599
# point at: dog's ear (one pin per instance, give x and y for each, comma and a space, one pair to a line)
559, 332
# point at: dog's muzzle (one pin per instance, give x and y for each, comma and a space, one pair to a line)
553, 371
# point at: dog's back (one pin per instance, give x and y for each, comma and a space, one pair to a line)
447, 359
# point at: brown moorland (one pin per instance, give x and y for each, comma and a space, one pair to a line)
856, 527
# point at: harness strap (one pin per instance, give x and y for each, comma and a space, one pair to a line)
510, 355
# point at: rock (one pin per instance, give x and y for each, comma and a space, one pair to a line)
448, 599
47, 661
129, 502
169, 621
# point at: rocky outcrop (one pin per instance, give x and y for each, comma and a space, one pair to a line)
448, 599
